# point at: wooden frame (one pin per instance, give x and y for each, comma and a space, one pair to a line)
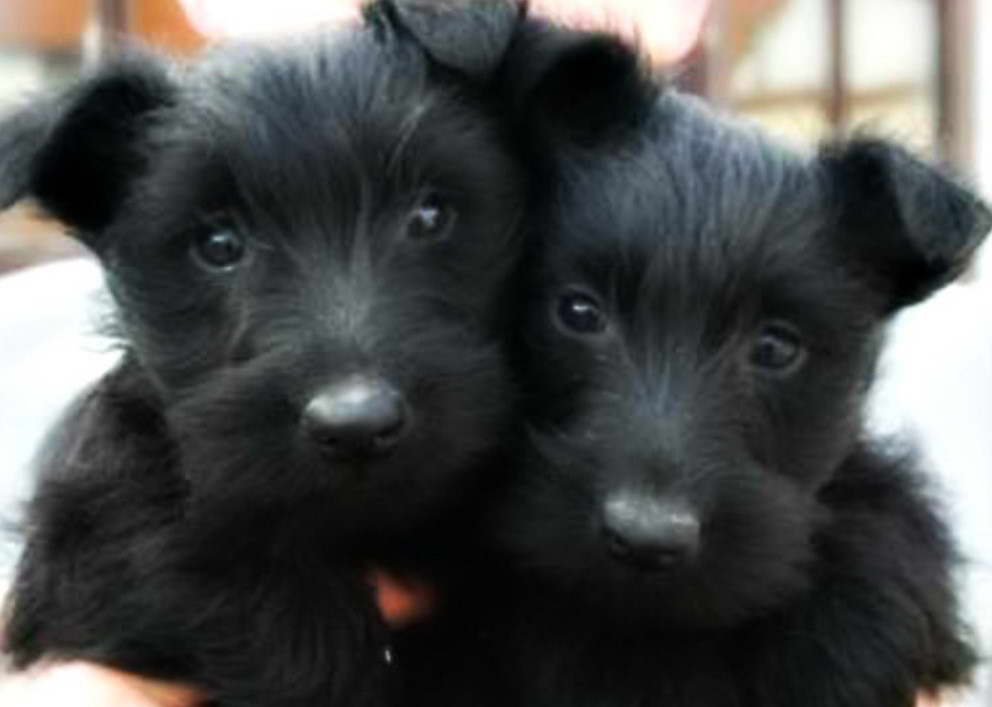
954, 61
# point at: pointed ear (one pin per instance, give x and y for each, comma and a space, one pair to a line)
912, 227
578, 86
468, 36
77, 154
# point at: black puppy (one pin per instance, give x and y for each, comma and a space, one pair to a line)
308, 246
701, 521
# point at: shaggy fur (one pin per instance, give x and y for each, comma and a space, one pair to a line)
273, 221
700, 519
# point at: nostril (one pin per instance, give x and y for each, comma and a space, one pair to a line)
357, 416
641, 554
390, 434
615, 543
650, 533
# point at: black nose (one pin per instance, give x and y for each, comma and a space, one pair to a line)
648, 532
358, 416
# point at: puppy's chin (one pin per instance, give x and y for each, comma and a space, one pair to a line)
699, 597
334, 501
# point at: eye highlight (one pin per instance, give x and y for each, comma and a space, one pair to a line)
219, 249
431, 220
580, 313
777, 348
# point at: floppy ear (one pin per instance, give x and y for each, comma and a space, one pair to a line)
77, 154
468, 36
912, 227
577, 86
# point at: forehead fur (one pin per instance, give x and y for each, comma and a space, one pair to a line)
690, 202
689, 181
321, 123
343, 78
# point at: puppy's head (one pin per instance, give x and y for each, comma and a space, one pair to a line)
307, 244
705, 321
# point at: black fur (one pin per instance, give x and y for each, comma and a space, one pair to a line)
185, 526
685, 257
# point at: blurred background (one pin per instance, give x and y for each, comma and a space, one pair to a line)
804, 68
919, 71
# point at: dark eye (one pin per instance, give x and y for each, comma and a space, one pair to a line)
431, 219
580, 313
777, 348
220, 249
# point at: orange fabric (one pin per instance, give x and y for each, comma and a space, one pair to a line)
402, 601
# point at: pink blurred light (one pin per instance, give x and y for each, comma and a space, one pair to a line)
667, 28
236, 18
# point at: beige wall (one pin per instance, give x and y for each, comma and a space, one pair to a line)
58, 24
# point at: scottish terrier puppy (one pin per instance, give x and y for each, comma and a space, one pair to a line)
308, 246
701, 519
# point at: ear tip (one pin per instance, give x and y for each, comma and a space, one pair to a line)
470, 36
377, 14
968, 215
10, 194
23, 132
73, 152
981, 223
916, 223
576, 85
135, 60
984, 219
